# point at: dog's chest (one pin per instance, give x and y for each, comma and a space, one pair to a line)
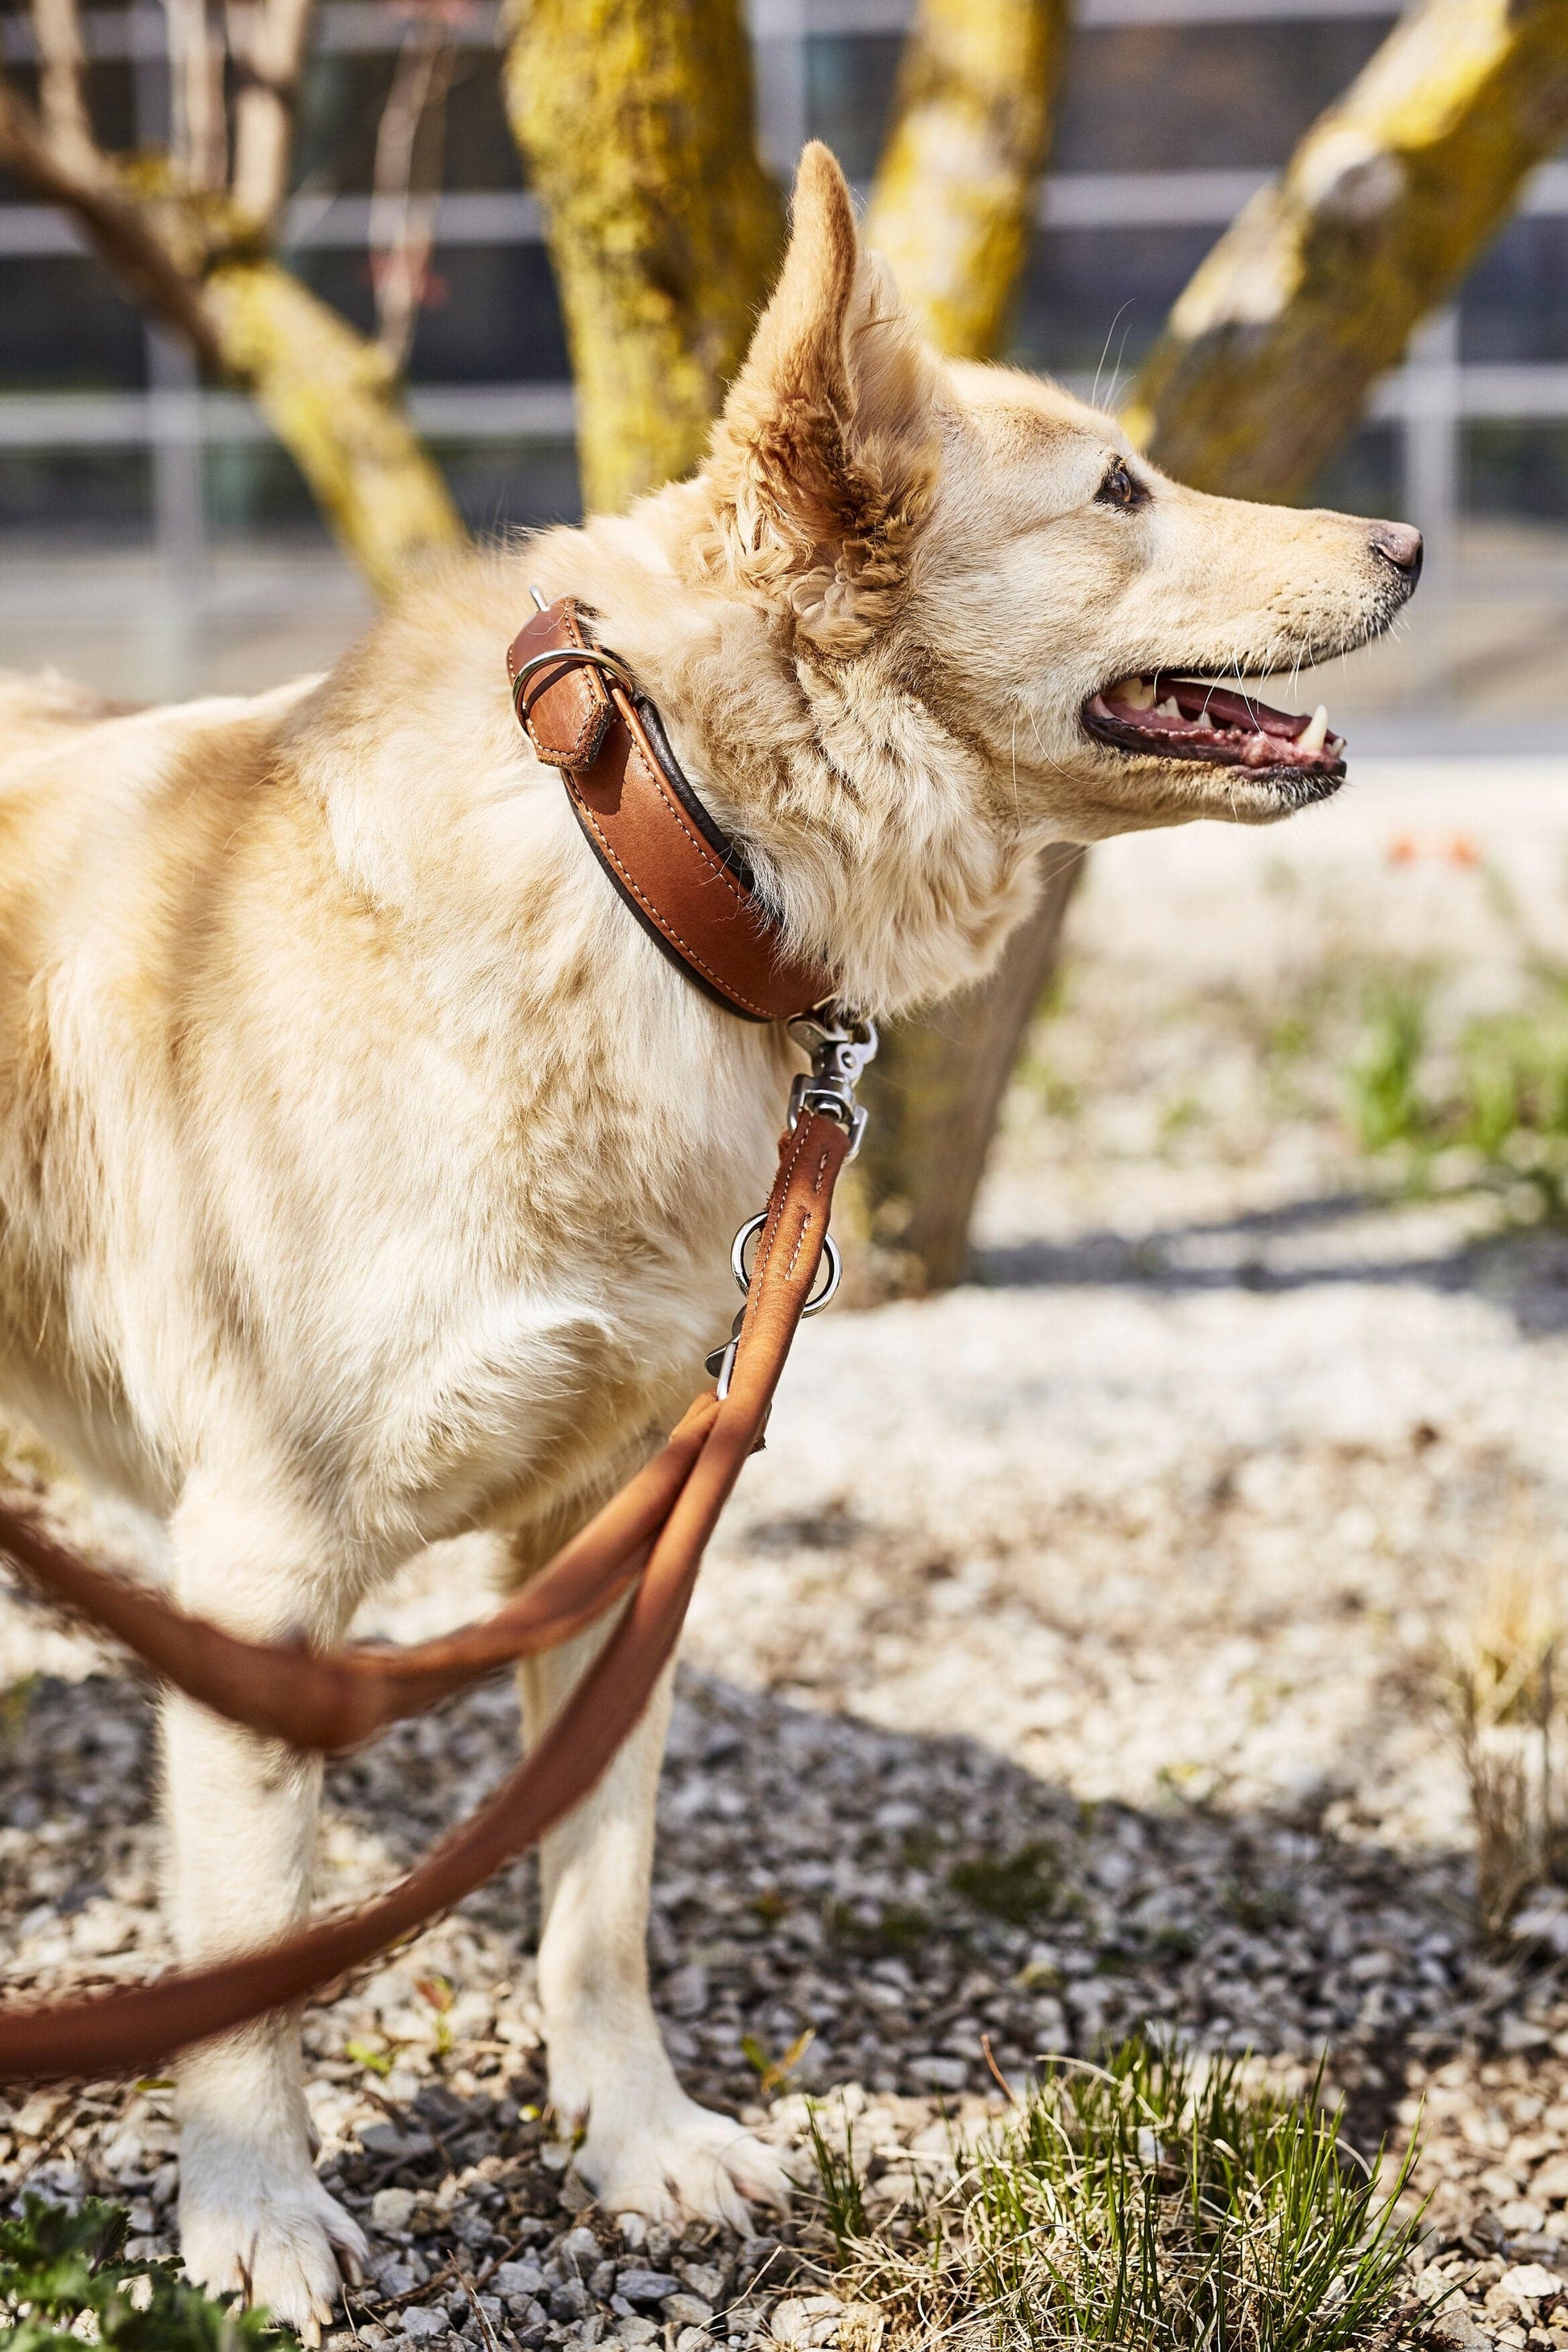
513, 1312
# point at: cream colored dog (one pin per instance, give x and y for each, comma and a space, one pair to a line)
368, 1175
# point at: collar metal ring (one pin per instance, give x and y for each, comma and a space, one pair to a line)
594, 655
742, 1272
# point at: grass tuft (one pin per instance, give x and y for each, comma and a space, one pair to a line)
1507, 1687
65, 2280
1155, 2201
1486, 1107
1386, 1102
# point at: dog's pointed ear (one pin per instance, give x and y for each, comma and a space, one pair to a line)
823, 461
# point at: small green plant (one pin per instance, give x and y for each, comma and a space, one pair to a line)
437, 1994
1514, 1096
1494, 1092
1386, 1099
1259, 1908
374, 2062
843, 2198
14, 1701
65, 2279
772, 2074
1017, 1887
877, 1933
1151, 2202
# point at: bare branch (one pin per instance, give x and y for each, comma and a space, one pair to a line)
267, 40
120, 229
62, 81
407, 180
195, 94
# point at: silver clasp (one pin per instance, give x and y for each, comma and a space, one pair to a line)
840, 1041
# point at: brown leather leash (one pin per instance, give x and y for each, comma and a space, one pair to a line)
646, 1542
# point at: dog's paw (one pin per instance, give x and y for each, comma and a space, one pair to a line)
674, 2161
279, 2239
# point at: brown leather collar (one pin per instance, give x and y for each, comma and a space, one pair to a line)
683, 878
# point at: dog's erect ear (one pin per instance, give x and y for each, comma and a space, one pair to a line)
824, 461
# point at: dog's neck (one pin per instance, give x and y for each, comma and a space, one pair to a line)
876, 834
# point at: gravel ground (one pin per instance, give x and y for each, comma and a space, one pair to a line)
1072, 1660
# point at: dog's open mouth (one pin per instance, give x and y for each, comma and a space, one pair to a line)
1188, 719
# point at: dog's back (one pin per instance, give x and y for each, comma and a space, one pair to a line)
38, 710
115, 820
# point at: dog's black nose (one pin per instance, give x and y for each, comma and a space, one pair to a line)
1398, 545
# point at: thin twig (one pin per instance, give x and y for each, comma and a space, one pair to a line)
480, 2314
495, 2261
410, 2294
267, 41
195, 92
1006, 2087
407, 179
62, 83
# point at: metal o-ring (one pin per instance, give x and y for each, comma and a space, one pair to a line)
594, 655
814, 1305
829, 1290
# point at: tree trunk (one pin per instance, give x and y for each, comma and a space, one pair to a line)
334, 401
635, 122
951, 210
952, 205
935, 1098
1263, 368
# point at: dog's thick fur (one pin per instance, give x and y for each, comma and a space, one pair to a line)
368, 1176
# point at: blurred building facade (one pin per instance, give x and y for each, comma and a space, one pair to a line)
117, 467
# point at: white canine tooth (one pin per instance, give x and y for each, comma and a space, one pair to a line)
1137, 693
1317, 733
1167, 709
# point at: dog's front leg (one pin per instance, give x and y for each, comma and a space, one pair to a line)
647, 2147
241, 1814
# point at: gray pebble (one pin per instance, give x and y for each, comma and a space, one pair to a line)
646, 2286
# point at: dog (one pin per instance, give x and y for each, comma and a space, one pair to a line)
368, 1175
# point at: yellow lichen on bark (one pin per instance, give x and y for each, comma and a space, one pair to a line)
635, 120
1269, 354
334, 401
953, 204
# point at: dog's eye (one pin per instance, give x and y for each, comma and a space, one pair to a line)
1119, 488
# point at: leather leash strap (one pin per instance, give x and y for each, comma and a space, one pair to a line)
683, 878
332, 1700
673, 1506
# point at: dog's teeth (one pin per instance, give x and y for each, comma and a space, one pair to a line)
1167, 709
1137, 693
1317, 732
